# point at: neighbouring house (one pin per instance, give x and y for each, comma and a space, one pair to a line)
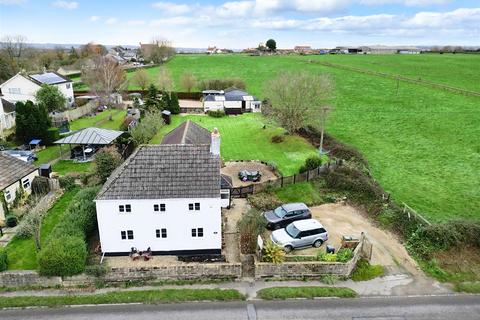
15, 175
7, 115
303, 49
232, 101
23, 87
165, 197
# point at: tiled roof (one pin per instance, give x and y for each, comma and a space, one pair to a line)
12, 170
165, 172
188, 133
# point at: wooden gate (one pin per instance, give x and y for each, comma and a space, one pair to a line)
367, 248
241, 192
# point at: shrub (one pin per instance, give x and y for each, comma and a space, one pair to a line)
327, 257
3, 259
251, 225
221, 84
96, 270
40, 185
278, 138
63, 256
52, 135
10, 221
273, 253
365, 271
344, 255
310, 164
216, 113
264, 201
67, 182
80, 218
106, 160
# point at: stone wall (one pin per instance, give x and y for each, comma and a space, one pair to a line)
193, 271
309, 268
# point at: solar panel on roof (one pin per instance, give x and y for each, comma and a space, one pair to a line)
47, 78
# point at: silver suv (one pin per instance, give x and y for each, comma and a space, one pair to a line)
298, 234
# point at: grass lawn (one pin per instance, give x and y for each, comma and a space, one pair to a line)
281, 293
21, 252
300, 192
243, 138
469, 287
100, 120
422, 143
63, 167
146, 297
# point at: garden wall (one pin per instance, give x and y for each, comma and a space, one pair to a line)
312, 268
190, 271
76, 113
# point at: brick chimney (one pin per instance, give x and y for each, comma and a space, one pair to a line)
215, 143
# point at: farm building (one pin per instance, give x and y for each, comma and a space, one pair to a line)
15, 175
233, 101
166, 197
23, 87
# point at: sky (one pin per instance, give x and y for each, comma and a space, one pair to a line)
243, 24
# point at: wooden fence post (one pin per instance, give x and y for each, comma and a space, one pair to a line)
308, 175
282, 182
294, 178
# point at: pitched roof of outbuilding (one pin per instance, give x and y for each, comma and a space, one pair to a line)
188, 133
91, 136
165, 172
12, 170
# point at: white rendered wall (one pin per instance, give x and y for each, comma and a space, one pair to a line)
177, 219
28, 89
212, 105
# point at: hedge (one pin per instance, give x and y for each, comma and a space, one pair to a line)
64, 256
3, 259
65, 251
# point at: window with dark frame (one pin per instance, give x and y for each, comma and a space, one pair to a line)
156, 208
197, 206
190, 206
197, 232
161, 233
121, 208
123, 234
130, 234
162, 207
128, 208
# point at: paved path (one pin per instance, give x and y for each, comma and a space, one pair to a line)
411, 308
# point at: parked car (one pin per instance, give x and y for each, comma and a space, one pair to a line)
298, 234
25, 155
285, 214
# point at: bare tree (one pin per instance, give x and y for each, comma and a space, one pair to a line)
299, 99
141, 79
158, 51
165, 82
105, 77
188, 81
14, 46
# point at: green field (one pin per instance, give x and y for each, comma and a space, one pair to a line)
243, 138
422, 143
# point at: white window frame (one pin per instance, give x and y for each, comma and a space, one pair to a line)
126, 234
193, 206
195, 232
159, 207
125, 208
8, 195
159, 234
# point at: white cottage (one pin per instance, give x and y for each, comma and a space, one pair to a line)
14, 174
166, 197
232, 101
7, 115
23, 87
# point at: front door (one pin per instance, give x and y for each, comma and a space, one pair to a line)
244, 106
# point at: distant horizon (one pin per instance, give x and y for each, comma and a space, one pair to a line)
245, 23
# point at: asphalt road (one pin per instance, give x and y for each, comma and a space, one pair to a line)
390, 308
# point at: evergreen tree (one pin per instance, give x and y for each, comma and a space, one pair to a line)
152, 103
31, 122
165, 103
174, 105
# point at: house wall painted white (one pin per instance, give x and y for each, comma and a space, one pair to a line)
7, 120
253, 106
20, 88
177, 219
10, 192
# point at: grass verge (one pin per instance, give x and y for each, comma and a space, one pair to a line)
279, 293
146, 297
365, 271
469, 287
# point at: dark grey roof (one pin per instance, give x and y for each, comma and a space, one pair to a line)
188, 133
91, 136
165, 172
8, 106
226, 182
237, 95
13, 169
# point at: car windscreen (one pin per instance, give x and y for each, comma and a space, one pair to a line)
280, 212
292, 231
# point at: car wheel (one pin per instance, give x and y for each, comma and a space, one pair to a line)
288, 249
317, 243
